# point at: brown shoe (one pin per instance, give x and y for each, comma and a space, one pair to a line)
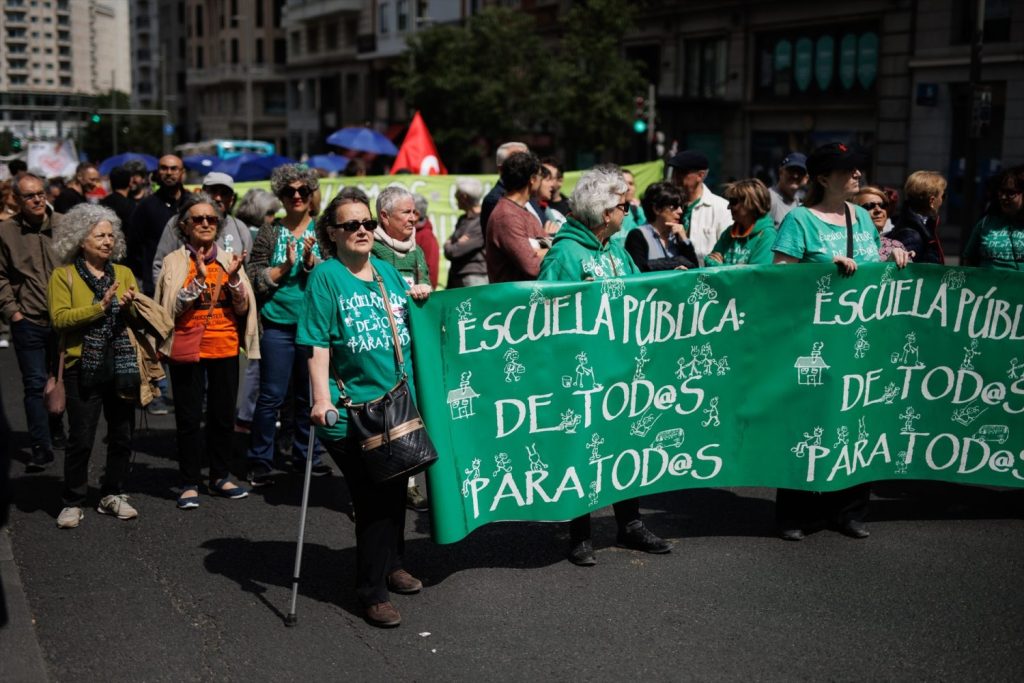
383, 615
403, 583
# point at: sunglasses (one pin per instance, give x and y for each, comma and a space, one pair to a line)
733, 201
203, 219
353, 226
289, 192
871, 206
623, 207
671, 206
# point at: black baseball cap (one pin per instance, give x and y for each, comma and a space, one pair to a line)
689, 160
834, 156
795, 160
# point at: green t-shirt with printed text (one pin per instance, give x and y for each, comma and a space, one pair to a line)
287, 303
806, 237
996, 242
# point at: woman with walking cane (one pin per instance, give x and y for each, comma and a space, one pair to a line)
350, 328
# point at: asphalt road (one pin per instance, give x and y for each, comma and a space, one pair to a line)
200, 595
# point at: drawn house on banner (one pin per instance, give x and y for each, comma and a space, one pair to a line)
810, 370
460, 401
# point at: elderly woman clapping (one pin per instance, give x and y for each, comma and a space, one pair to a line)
91, 301
208, 295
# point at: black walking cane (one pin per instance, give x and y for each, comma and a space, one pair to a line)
331, 419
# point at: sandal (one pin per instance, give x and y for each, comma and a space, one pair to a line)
217, 488
189, 502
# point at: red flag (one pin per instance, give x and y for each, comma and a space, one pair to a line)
418, 153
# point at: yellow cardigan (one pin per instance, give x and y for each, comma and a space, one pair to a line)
72, 308
172, 279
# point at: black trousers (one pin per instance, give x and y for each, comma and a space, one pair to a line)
806, 509
625, 512
380, 523
83, 407
218, 378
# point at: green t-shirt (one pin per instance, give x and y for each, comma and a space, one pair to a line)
754, 249
347, 315
286, 304
996, 242
688, 213
806, 237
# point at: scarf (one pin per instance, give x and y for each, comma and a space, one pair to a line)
107, 351
402, 247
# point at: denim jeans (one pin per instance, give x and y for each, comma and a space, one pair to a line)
281, 361
84, 407
217, 378
35, 347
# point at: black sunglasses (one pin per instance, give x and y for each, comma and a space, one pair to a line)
353, 226
871, 206
289, 192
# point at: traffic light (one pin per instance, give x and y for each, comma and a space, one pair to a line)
640, 116
16, 143
96, 118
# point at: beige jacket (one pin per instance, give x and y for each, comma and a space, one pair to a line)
154, 326
172, 279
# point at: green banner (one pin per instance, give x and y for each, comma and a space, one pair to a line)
546, 401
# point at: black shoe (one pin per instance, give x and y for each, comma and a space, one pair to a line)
854, 529
582, 554
791, 534
40, 459
636, 536
415, 501
321, 469
59, 440
260, 476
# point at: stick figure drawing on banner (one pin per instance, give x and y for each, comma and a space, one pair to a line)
1015, 369
712, 412
535, 462
909, 416
502, 463
969, 353
583, 371
910, 350
861, 346
513, 368
641, 361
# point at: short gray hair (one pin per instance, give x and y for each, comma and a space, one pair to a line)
471, 187
255, 206
389, 196
508, 149
598, 190
191, 199
285, 175
422, 205
78, 222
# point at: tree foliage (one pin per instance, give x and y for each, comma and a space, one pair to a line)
142, 134
493, 79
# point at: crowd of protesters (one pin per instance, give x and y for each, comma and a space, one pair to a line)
147, 286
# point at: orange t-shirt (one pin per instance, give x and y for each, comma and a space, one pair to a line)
220, 339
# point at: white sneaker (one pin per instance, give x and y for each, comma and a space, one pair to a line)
118, 506
69, 518
5, 343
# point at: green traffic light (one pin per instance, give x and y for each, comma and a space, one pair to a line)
96, 118
16, 143
639, 126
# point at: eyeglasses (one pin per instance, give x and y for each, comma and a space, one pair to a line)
203, 219
733, 201
289, 192
871, 206
623, 207
32, 196
353, 226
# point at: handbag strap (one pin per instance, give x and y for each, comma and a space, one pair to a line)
63, 339
849, 230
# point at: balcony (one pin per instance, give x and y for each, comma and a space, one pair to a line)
17, 35
297, 11
13, 18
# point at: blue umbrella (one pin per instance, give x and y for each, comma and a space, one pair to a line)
113, 162
202, 163
332, 163
363, 140
246, 167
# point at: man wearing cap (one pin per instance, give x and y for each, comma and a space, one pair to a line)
785, 193
235, 236
706, 215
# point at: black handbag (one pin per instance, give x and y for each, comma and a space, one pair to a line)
389, 431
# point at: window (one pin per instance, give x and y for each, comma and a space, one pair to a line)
997, 21
280, 51
706, 72
199, 21
296, 47
382, 21
259, 50
199, 57
234, 50
331, 36
809, 62
312, 39
402, 9
259, 13
65, 81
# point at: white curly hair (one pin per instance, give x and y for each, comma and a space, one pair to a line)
76, 225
